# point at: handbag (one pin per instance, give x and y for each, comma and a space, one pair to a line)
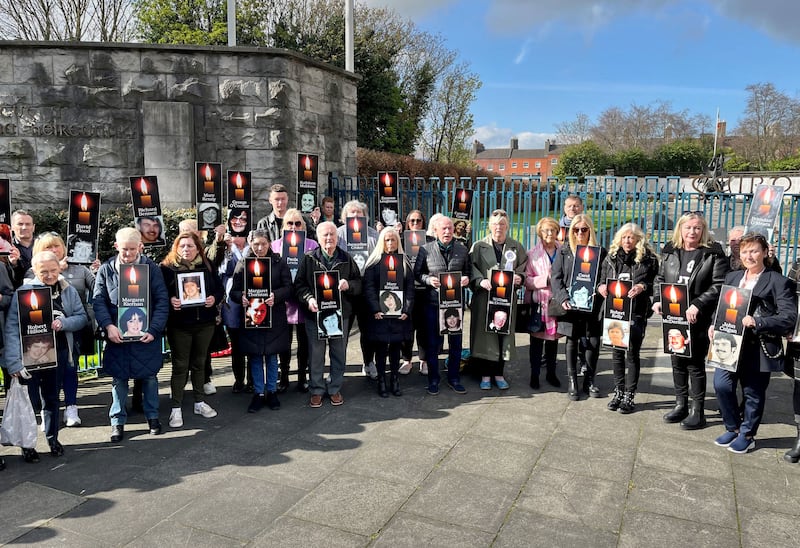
529, 318
219, 341
19, 421
554, 308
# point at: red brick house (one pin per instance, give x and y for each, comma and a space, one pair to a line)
505, 162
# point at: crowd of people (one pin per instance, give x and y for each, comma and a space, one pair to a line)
391, 321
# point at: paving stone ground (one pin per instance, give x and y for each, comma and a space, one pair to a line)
489, 468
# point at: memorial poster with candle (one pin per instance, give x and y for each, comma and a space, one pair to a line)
617, 315
83, 226
501, 293
451, 302
147, 210
191, 289
462, 203
329, 304
357, 236
388, 198
307, 181
133, 300
240, 193
584, 277
412, 241
293, 249
36, 328
726, 345
764, 210
257, 289
208, 194
6, 237
392, 282
674, 325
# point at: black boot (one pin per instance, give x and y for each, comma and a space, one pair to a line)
382, 392
534, 384
793, 454
613, 405
395, 382
589, 388
283, 382
626, 406
679, 412
696, 418
572, 386
552, 380
272, 401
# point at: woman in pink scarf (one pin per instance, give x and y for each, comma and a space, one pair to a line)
537, 284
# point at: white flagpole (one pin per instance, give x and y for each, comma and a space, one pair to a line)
231, 23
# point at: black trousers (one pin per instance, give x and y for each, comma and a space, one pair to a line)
627, 364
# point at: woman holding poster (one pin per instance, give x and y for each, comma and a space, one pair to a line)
691, 258
576, 324
629, 258
490, 349
262, 346
387, 330
771, 315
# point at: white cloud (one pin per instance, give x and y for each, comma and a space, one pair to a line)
523, 52
495, 137
777, 18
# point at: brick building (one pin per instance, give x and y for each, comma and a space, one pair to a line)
505, 162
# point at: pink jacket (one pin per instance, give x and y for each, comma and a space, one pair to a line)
294, 312
537, 282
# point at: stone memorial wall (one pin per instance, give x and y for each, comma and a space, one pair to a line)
88, 116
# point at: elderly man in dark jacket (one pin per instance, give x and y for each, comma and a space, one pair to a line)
327, 258
138, 359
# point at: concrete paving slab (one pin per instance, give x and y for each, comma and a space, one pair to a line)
773, 490
697, 498
289, 532
673, 451
410, 531
655, 530
767, 529
395, 461
494, 459
172, 533
458, 498
46, 535
588, 501
28, 506
503, 422
525, 529
352, 503
588, 457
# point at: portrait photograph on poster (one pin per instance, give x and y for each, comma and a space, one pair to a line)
133, 322
616, 333
584, 277
307, 181
450, 320
726, 343
191, 289
674, 325
35, 308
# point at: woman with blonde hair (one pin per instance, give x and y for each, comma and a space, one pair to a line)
576, 323
388, 332
629, 258
691, 258
539, 290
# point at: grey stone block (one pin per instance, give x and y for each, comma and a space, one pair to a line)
409, 464
490, 458
523, 529
588, 457
671, 450
411, 531
288, 532
768, 528
645, 529
28, 506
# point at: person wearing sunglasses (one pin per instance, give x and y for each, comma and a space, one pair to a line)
576, 324
692, 258
416, 221
292, 222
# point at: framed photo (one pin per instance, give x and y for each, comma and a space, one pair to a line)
192, 289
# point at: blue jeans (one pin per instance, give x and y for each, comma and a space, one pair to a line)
754, 388
337, 348
435, 341
257, 370
46, 382
119, 399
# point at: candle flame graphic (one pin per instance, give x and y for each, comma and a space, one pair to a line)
208, 172
414, 239
387, 180
239, 180
293, 240
34, 301
449, 282
464, 196
501, 280
587, 256
143, 186
355, 225
132, 276
84, 202
767, 196
257, 269
673, 295
732, 300
619, 290
326, 281
391, 263
308, 162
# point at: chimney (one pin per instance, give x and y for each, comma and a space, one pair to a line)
514, 143
477, 147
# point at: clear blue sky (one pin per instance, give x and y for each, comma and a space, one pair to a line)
542, 62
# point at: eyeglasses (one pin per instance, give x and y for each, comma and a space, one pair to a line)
499, 213
698, 213
415, 221
580, 229
549, 230
294, 223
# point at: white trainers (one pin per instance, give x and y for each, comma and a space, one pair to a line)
370, 371
209, 388
71, 414
423, 368
405, 368
176, 417
202, 408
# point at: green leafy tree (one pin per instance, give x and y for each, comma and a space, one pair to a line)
683, 156
586, 158
632, 161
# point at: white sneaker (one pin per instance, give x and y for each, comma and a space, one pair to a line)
71, 414
41, 426
405, 368
370, 371
209, 388
176, 417
423, 368
202, 408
